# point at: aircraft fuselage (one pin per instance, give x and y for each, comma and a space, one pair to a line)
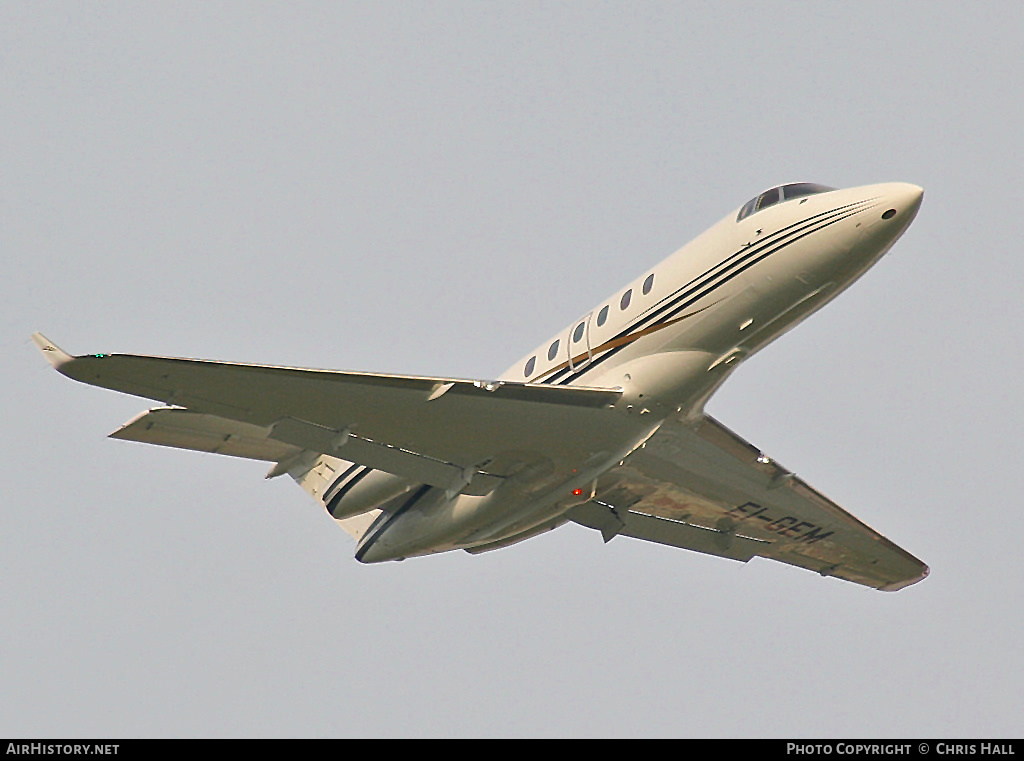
667, 340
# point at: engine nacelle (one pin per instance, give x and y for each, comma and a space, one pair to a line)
359, 489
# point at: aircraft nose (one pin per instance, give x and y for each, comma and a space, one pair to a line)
883, 222
902, 200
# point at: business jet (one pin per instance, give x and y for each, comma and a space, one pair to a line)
602, 425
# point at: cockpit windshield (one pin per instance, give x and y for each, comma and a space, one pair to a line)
779, 194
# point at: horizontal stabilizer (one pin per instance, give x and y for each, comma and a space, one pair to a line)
184, 429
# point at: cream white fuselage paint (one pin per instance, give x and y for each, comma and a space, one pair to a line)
667, 345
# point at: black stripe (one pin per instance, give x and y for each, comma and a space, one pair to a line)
345, 489
687, 298
739, 258
337, 481
742, 254
384, 520
678, 307
747, 252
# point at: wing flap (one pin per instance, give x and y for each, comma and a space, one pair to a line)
611, 522
384, 457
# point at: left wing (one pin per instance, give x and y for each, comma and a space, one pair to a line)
431, 429
701, 487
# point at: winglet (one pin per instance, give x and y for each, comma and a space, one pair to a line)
51, 351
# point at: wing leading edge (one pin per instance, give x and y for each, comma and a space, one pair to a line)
702, 487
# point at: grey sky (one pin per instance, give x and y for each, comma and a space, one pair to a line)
434, 188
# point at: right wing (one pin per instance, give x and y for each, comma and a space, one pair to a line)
701, 487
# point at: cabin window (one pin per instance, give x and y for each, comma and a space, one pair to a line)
530, 364
602, 315
648, 284
624, 301
578, 333
553, 350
